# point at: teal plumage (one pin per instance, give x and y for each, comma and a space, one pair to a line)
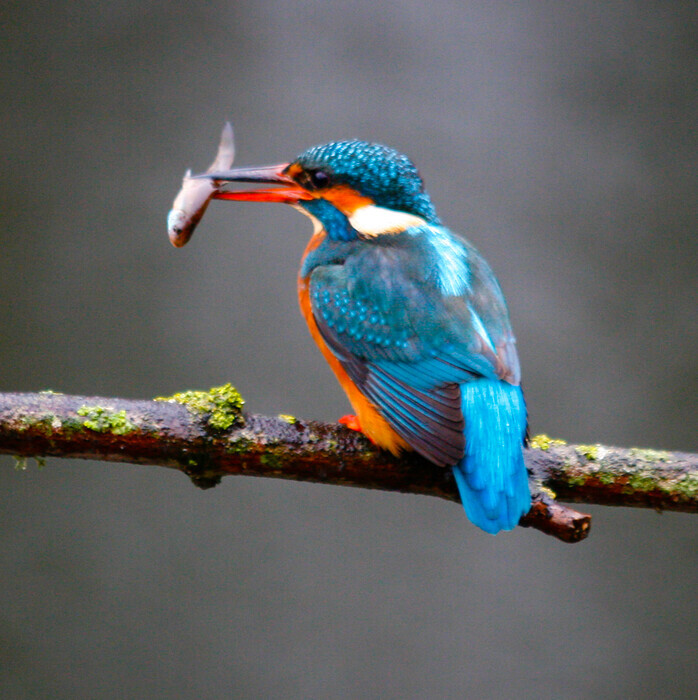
413, 315
419, 323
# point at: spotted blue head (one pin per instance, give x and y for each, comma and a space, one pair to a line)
355, 173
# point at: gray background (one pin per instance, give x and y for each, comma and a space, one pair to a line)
559, 137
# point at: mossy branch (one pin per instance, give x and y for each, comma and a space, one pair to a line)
206, 435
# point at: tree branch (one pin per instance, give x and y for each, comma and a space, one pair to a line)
205, 435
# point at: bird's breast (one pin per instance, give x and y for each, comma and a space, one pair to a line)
372, 423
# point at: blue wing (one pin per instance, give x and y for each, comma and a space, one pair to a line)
412, 317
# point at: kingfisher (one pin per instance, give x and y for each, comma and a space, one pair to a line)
409, 316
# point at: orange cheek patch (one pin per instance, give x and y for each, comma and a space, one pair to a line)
346, 199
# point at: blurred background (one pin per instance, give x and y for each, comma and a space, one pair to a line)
560, 138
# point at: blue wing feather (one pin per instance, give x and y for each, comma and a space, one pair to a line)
419, 323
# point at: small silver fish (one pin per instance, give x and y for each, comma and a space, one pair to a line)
191, 201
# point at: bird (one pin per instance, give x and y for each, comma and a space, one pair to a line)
409, 316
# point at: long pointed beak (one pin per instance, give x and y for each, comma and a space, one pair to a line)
289, 192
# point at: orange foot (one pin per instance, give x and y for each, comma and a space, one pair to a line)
351, 422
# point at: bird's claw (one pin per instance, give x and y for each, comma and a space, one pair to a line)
351, 421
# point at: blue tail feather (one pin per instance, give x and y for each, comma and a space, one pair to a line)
492, 477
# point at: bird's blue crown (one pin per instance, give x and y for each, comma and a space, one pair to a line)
379, 172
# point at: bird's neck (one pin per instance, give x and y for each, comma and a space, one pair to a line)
323, 250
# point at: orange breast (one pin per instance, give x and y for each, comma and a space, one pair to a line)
372, 423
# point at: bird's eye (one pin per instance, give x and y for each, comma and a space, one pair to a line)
319, 178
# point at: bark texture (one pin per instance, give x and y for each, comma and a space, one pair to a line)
207, 436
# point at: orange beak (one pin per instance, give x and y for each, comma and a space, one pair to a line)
288, 192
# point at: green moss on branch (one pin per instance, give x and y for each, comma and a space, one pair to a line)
206, 436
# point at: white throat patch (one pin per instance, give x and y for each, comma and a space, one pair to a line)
372, 221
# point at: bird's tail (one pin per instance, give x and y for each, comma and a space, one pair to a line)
492, 478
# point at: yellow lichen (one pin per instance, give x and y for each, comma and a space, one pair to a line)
591, 452
221, 406
548, 492
543, 442
105, 420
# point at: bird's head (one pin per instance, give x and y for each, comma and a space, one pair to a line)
378, 190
